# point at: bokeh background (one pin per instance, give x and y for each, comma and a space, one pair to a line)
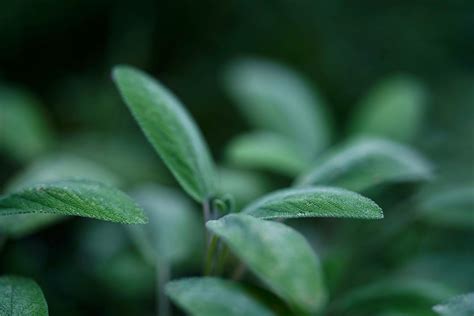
59, 55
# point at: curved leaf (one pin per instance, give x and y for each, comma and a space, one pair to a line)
214, 297
365, 163
266, 151
394, 109
277, 99
74, 197
278, 255
24, 130
170, 130
21, 297
462, 305
174, 232
314, 202
453, 207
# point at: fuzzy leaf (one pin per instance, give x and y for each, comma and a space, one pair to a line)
74, 197
277, 99
462, 305
278, 255
170, 130
214, 297
21, 297
174, 233
365, 163
314, 202
268, 151
393, 109
24, 130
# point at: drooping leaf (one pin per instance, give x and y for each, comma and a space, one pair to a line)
278, 255
174, 233
314, 202
462, 305
267, 151
376, 297
277, 99
170, 130
365, 163
452, 207
24, 130
214, 297
83, 198
21, 297
393, 109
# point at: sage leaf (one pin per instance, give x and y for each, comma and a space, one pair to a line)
367, 162
314, 202
266, 151
275, 98
24, 130
462, 305
21, 297
214, 297
393, 109
170, 130
83, 198
452, 207
278, 255
174, 232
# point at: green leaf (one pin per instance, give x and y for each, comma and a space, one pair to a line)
278, 255
277, 99
74, 197
24, 130
314, 202
452, 207
174, 233
21, 297
394, 109
380, 295
267, 151
170, 130
364, 163
214, 297
462, 305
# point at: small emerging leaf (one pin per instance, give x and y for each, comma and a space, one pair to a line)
170, 130
21, 297
314, 202
364, 163
393, 109
268, 151
277, 99
278, 255
74, 197
214, 297
462, 305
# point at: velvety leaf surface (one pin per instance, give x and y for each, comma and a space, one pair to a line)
214, 297
74, 197
174, 232
170, 130
267, 151
462, 305
278, 255
394, 109
365, 163
21, 297
24, 130
314, 202
277, 99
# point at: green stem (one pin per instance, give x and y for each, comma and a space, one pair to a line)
163, 275
210, 255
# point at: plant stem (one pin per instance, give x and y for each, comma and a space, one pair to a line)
239, 272
162, 277
210, 255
